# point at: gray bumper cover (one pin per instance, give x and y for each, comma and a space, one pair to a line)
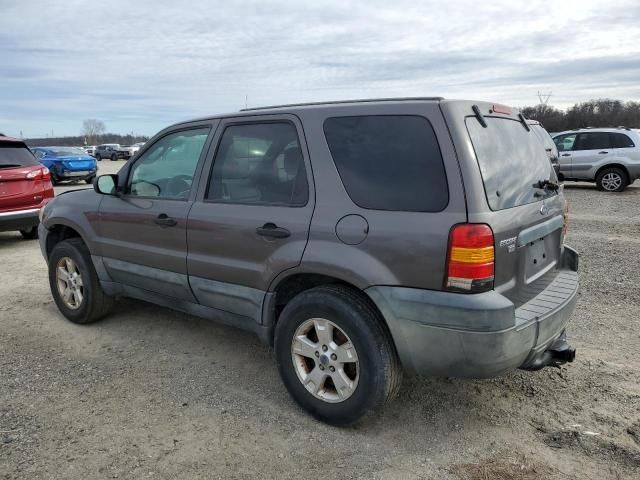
476, 335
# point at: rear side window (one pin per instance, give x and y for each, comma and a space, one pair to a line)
389, 162
511, 161
593, 141
620, 140
16, 155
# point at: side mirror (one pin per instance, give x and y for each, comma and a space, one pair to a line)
106, 184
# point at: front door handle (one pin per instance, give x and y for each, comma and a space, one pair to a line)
270, 229
566, 154
603, 152
166, 221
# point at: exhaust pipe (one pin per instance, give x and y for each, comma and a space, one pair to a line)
559, 353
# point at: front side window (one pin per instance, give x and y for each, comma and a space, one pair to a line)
389, 162
166, 169
593, 141
565, 142
259, 164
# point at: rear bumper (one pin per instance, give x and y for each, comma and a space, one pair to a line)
19, 219
478, 335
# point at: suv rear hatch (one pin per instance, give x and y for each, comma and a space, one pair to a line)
512, 187
21, 178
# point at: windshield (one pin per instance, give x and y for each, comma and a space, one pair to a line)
511, 161
67, 151
16, 155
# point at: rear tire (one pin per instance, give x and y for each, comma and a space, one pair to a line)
30, 234
612, 180
90, 179
74, 283
114, 157
98, 157
366, 384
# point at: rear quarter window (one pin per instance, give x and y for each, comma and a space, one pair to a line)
389, 162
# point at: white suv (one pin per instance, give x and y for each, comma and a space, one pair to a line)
608, 156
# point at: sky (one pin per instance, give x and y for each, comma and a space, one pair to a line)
142, 65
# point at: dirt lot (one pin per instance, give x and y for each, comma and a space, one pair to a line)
150, 393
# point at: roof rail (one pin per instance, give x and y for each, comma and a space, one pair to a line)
337, 102
622, 127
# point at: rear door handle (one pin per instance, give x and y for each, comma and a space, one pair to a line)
603, 152
166, 221
270, 229
566, 154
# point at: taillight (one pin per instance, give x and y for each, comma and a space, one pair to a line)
471, 258
40, 173
34, 174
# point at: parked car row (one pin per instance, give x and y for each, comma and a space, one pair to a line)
113, 151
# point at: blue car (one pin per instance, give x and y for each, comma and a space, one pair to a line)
67, 163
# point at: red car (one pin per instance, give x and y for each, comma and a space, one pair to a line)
25, 187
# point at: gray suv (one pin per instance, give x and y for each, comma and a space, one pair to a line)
608, 156
357, 239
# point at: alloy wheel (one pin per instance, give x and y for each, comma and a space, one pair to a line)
69, 282
325, 360
611, 181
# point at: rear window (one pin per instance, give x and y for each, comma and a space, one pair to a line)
389, 162
67, 151
16, 155
511, 161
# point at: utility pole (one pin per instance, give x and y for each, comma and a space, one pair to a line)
544, 99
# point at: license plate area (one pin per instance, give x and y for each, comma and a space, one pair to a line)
540, 256
80, 173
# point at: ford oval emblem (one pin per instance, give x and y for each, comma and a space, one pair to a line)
543, 209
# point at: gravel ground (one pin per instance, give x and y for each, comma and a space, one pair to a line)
150, 393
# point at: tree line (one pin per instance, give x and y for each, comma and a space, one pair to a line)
79, 140
604, 112
93, 133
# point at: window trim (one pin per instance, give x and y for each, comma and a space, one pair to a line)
414, 115
131, 166
240, 123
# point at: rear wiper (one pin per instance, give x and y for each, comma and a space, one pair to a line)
547, 185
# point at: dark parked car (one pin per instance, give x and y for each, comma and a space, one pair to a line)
67, 163
25, 186
358, 239
108, 150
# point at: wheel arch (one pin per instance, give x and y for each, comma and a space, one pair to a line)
284, 289
59, 232
613, 165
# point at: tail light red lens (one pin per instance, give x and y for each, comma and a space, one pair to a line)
41, 173
471, 258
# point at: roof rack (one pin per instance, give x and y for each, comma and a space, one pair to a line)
337, 102
622, 127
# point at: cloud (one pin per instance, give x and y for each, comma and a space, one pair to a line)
143, 65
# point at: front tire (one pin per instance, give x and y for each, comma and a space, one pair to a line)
114, 157
335, 355
74, 283
30, 234
98, 157
612, 180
